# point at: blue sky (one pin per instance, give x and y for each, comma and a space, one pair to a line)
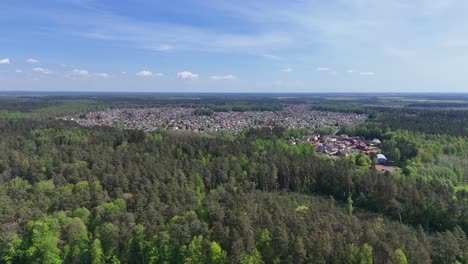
234, 46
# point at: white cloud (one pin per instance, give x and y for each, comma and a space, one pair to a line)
223, 77
288, 70
367, 73
32, 61
80, 72
164, 47
19, 71
5, 61
271, 57
185, 75
350, 71
102, 75
144, 73
123, 72
42, 70
322, 69
159, 74
85, 74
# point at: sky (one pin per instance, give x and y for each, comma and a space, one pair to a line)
234, 46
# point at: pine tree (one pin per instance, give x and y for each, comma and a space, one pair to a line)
349, 205
97, 256
365, 254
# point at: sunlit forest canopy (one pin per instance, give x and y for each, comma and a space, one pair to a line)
104, 194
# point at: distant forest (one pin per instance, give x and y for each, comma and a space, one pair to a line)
72, 194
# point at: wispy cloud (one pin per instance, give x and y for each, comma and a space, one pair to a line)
80, 72
32, 61
164, 47
271, 29
102, 75
322, 69
64, 65
223, 77
162, 36
144, 73
271, 57
287, 70
43, 70
186, 75
5, 61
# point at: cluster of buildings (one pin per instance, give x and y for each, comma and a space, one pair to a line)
184, 118
291, 117
343, 145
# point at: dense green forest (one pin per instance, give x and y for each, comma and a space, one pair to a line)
72, 194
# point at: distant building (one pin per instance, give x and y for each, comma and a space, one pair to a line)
381, 159
361, 146
343, 153
321, 148
310, 138
376, 141
318, 144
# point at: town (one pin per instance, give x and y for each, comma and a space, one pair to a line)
343, 145
291, 117
186, 118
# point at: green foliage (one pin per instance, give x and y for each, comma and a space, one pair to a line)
83, 213
365, 254
363, 160
217, 255
138, 252
324, 131
97, 256
400, 257
203, 112
351, 254
119, 124
297, 133
70, 194
255, 258
76, 232
264, 246
195, 254
41, 242
349, 204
